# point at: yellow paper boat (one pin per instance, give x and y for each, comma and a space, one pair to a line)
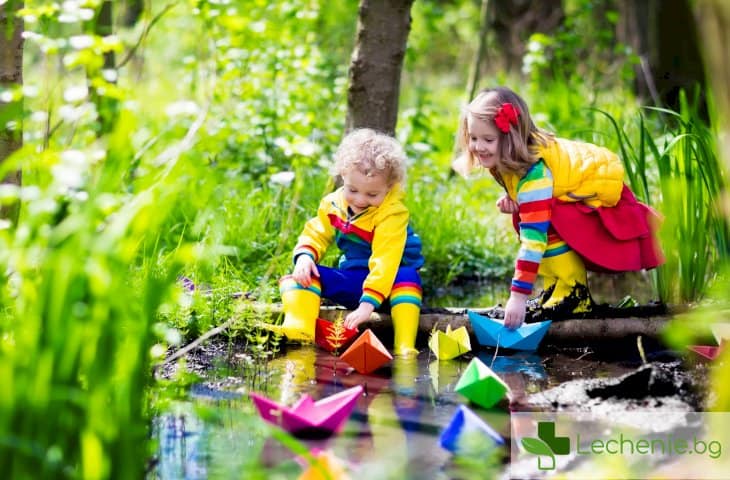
325, 466
449, 344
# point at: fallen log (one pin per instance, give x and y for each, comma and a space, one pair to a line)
578, 331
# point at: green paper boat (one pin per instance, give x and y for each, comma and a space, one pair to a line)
449, 344
493, 333
481, 385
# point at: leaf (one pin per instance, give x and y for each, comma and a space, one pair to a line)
536, 446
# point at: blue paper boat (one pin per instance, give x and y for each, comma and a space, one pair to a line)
493, 333
467, 423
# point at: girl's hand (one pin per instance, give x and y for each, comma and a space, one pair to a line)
363, 312
514, 312
507, 205
304, 269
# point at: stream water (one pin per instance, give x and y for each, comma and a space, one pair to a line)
393, 432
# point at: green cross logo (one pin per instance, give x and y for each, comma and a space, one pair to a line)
546, 444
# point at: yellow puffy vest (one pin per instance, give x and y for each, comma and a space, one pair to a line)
581, 172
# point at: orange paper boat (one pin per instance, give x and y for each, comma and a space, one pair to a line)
707, 351
329, 338
367, 354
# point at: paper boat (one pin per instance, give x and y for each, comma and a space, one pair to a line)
325, 466
493, 333
328, 337
307, 418
721, 332
367, 354
481, 385
449, 344
466, 423
706, 351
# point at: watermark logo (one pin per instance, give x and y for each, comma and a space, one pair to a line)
620, 444
546, 445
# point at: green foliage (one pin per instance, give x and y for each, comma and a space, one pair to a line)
453, 27
685, 167
225, 118
582, 52
77, 328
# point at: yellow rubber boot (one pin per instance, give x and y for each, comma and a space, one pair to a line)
570, 271
548, 284
301, 309
405, 327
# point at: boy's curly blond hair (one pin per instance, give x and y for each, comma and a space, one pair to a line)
371, 153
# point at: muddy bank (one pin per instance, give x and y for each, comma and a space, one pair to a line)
657, 386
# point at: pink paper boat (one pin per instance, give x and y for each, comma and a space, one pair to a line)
709, 352
307, 418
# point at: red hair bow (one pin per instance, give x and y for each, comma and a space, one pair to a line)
506, 115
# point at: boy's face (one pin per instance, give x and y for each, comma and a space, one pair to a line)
362, 191
483, 141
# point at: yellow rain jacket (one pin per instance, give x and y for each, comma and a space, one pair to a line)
581, 172
379, 239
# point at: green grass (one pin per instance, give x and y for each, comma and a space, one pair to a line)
679, 173
182, 186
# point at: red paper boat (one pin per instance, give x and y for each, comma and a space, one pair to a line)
328, 338
367, 354
307, 418
709, 352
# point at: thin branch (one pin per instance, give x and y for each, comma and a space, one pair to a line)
143, 36
194, 344
481, 53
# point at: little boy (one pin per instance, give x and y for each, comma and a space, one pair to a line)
381, 255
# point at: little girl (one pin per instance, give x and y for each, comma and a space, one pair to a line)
381, 255
568, 201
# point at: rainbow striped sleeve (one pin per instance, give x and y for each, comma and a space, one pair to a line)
534, 196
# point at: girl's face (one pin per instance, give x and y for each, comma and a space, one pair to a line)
484, 141
362, 191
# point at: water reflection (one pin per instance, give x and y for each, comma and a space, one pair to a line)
393, 432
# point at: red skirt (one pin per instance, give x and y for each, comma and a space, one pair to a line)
621, 238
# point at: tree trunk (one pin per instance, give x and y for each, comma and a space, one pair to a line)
670, 57
713, 20
11, 75
132, 11
481, 53
377, 61
515, 20
105, 106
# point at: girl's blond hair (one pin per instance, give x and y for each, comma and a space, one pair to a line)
371, 153
518, 146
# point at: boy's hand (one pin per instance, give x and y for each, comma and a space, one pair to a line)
304, 269
363, 312
514, 312
507, 205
